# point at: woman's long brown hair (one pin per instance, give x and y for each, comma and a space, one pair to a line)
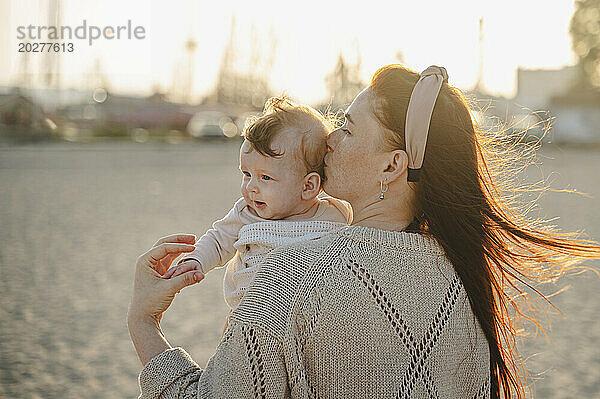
463, 201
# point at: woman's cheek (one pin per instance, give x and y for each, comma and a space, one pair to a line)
342, 161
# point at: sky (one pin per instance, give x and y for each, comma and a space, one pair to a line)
296, 44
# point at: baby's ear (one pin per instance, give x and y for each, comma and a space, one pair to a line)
311, 186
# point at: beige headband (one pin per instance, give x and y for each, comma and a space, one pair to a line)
418, 116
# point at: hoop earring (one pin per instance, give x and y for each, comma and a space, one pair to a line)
383, 188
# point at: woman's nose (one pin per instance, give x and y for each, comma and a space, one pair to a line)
331, 140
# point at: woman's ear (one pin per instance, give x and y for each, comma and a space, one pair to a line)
396, 165
311, 186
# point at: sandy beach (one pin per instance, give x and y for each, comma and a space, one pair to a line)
75, 217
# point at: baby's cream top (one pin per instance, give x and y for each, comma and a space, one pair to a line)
242, 239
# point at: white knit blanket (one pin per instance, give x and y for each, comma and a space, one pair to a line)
255, 241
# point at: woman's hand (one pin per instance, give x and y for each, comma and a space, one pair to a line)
152, 294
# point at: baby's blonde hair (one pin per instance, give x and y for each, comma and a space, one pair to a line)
281, 112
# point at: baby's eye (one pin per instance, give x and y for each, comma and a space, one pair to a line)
265, 177
343, 129
247, 174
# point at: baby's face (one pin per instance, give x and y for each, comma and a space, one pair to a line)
272, 187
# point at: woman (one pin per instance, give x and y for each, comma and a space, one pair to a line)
410, 301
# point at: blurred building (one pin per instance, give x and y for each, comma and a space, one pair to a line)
537, 87
577, 115
547, 105
575, 110
496, 113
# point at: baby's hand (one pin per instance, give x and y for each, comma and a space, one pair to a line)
182, 267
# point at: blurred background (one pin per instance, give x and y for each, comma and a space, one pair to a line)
108, 144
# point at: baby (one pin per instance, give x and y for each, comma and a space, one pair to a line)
281, 160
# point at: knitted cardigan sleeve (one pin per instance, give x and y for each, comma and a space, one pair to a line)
248, 363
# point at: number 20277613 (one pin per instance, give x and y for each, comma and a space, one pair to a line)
46, 47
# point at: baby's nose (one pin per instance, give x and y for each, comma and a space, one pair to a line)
252, 186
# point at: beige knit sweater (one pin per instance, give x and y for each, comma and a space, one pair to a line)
358, 313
